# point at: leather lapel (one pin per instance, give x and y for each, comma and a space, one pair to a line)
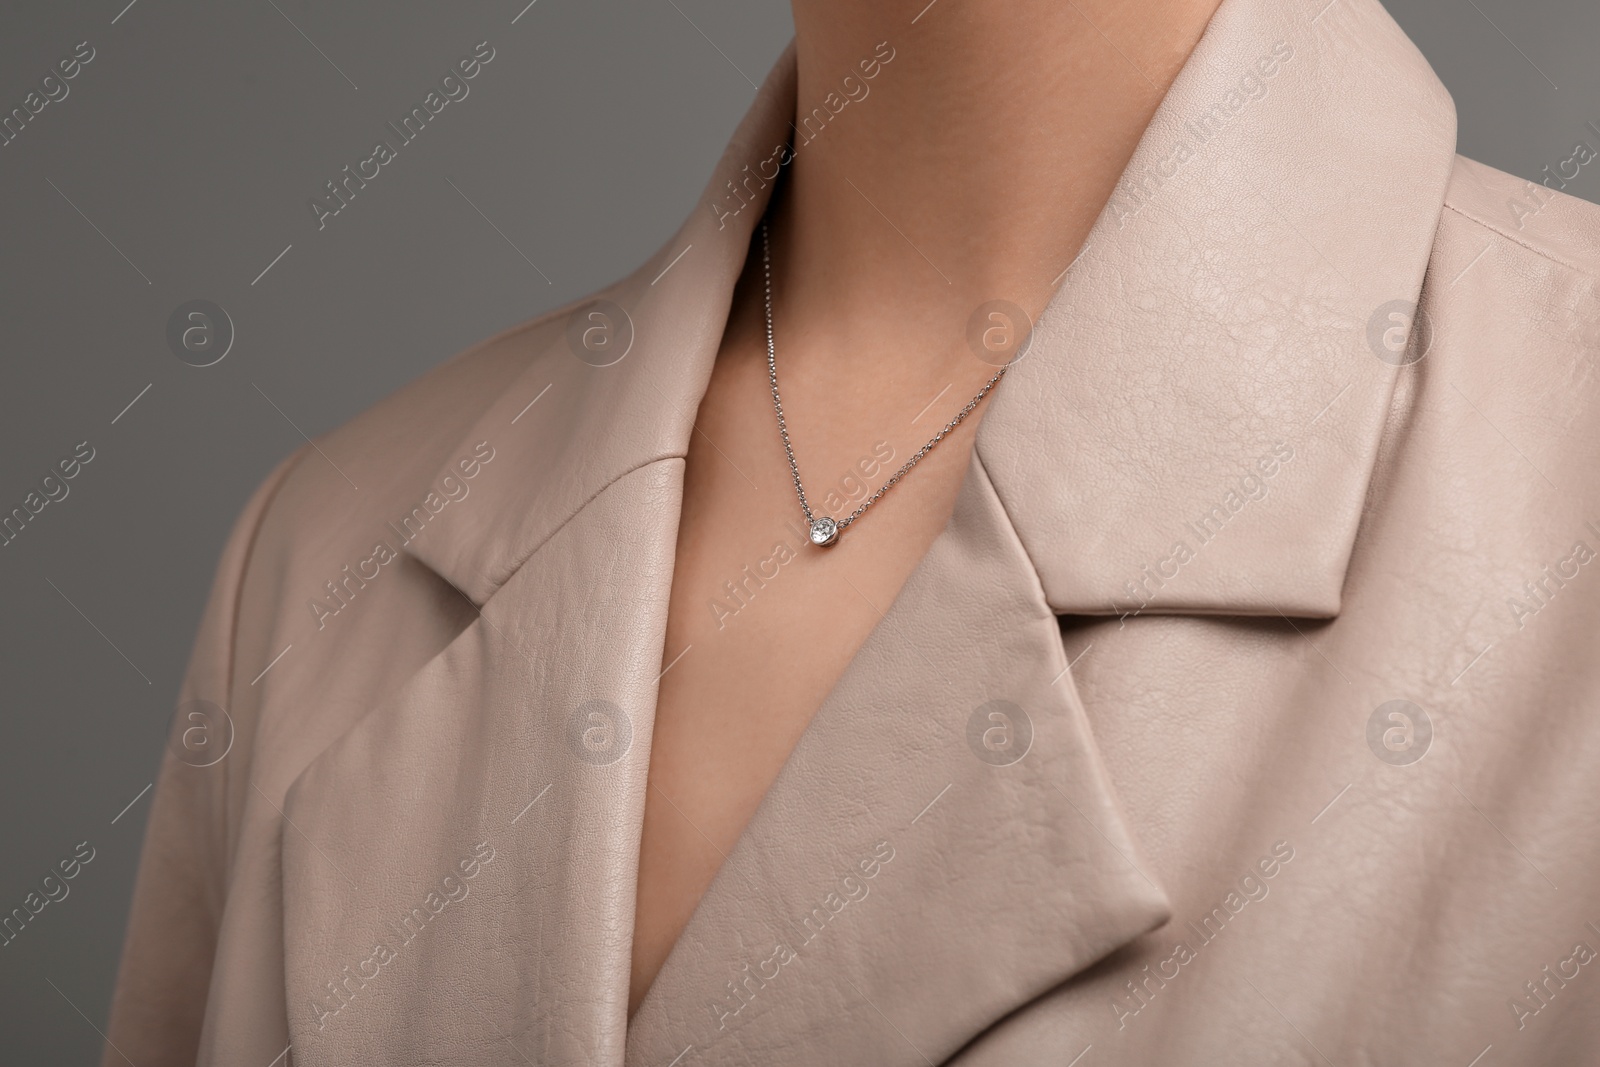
942, 846
466, 855
1195, 424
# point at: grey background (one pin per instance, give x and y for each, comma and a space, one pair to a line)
188, 149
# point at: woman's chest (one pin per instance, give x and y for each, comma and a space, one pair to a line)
761, 625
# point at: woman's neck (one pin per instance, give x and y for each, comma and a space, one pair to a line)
960, 154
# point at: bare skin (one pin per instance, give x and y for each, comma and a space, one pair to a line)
872, 308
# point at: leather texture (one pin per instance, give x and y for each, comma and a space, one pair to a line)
1222, 514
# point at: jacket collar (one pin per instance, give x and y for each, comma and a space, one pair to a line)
1195, 424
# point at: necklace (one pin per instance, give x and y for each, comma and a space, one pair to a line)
823, 529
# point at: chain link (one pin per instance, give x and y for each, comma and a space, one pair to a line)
783, 427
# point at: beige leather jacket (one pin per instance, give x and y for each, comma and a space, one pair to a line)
1244, 713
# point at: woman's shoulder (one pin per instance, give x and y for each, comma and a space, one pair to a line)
377, 465
306, 572
1510, 327
1518, 219
1484, 495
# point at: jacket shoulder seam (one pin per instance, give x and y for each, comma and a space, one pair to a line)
1542, 253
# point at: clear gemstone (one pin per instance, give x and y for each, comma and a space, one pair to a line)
824, 531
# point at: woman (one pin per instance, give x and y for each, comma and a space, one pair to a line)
1217, 688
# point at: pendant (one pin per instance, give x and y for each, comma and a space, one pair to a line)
824, 531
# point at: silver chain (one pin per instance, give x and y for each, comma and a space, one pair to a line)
783, 427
